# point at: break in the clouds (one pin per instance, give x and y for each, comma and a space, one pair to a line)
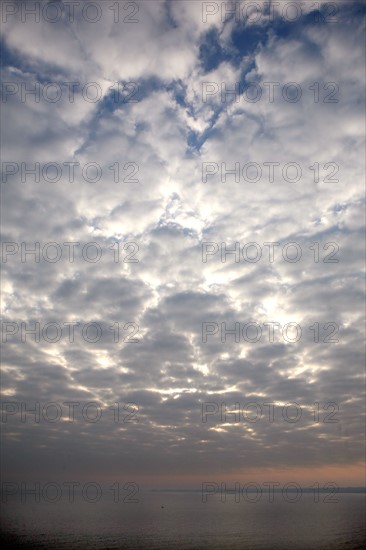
177, 132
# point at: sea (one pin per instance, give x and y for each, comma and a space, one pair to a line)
181, 520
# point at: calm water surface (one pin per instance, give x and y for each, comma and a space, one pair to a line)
185, 522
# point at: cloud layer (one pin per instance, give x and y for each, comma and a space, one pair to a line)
149, 157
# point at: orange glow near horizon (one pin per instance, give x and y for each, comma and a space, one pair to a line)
347, 475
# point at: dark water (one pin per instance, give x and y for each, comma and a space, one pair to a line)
185, 522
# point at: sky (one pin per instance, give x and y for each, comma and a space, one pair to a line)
169, 141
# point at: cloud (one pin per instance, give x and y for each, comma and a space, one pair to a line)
156, 148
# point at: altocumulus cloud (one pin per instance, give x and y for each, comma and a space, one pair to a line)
165, 132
